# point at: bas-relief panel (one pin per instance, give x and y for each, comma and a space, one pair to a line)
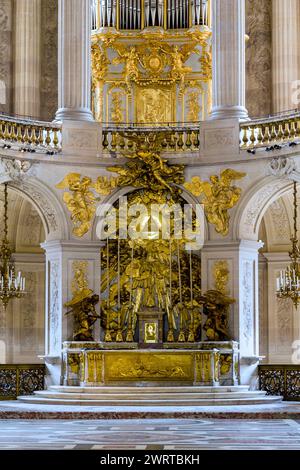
54, 309
263, 310
5, 55
49, 83
247, 305
258, 57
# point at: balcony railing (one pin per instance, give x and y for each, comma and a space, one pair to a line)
29, 135
282, 380
172, 137
140, 14
270, 131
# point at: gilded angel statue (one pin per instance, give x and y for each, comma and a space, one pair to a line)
131, 58
147, 169
178, 56
218, 196
80, 201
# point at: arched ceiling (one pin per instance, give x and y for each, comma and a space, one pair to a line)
25, 227
277, 224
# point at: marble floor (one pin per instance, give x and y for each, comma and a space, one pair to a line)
167, 434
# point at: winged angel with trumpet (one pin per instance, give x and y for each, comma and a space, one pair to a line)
218, 196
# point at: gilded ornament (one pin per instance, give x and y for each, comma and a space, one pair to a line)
217, 196
225, 363
194, 108
221, 276
100, 63
80, 201
147, 169
117, 111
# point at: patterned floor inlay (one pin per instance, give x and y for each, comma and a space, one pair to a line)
283, 434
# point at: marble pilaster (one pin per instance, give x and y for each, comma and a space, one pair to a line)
60, 256
242, 261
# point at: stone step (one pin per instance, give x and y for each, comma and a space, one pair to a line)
120, 397
145, 389
187, 402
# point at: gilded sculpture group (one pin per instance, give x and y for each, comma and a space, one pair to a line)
143, 274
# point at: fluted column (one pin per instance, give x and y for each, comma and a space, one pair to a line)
74, 60
27, 58
228, 50
285, 51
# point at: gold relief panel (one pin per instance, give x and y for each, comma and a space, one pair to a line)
203, 367
94, 367
194, 104
154, 104
117, 106
148, 366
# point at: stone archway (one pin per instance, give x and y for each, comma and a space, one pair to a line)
254, 205
46, 204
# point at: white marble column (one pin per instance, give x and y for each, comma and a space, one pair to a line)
74, 61
27, 65
285, 54
228, 51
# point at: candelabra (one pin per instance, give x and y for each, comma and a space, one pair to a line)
11, 286
288, 282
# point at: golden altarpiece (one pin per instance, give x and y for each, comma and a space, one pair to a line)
151, 63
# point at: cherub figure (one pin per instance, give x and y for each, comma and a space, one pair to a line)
218, 196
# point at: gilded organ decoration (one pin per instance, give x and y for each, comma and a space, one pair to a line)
218, 196
193, 106
117, 112
155, 68
154, 105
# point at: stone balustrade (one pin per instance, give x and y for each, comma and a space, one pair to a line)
172, 138
29, 135
270, 131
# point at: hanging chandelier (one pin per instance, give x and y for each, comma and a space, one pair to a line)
288, 282
11, 286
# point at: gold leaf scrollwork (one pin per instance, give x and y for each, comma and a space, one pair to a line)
218, 196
